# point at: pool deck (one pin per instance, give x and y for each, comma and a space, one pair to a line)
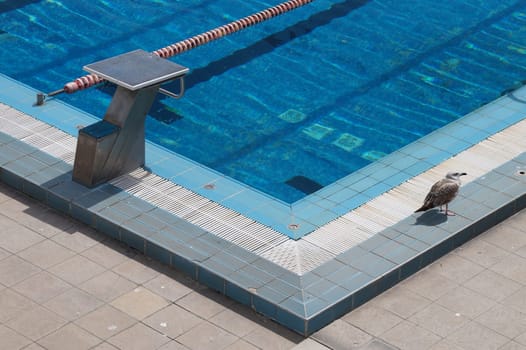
63, 286
303, 284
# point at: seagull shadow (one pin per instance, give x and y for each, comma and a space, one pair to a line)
431, 218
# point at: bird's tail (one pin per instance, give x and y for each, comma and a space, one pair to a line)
424, 208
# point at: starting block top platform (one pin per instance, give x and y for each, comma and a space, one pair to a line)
136, 69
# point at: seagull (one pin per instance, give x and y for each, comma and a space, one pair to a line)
443, 192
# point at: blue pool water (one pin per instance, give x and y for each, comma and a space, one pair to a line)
297, 102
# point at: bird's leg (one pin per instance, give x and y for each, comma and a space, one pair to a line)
440, 209
449, 213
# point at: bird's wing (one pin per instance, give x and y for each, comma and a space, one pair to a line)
434, 190
445, 192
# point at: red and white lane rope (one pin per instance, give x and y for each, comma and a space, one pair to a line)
197, 40
82, 83
229, 28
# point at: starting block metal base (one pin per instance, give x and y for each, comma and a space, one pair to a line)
115, 145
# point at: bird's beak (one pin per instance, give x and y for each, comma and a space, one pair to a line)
461, 174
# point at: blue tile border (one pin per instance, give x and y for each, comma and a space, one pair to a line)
303, 303
325, 205
307, 302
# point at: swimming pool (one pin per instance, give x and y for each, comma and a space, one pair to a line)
294, 103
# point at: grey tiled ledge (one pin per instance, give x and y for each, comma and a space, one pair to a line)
304, 303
